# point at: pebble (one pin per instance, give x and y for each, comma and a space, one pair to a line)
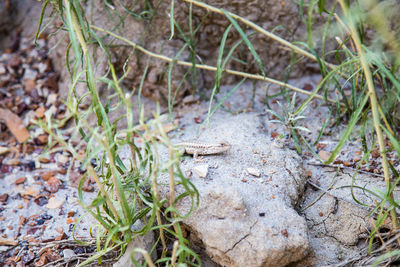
201, 170
60, 158
55, 203
3, 70
68, 253
4, 150
254, 172
32, 191
51, 99
3, 197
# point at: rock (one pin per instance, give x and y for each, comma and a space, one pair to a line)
324, 155
68, 253
46, 175
254, 172
190, 99
201, 170
51, 99
55, 203
20, 180
228, 221
3, 69
60, 158
52, 185
29, 85
40, 112
15, 125
4, 150
144, 242
32, 191
3, 197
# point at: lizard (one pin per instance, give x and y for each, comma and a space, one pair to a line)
196, 149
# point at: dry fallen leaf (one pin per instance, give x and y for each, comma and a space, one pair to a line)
15, 125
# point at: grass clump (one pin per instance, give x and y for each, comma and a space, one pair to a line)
128, 193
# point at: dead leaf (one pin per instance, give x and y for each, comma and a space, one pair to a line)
15, 125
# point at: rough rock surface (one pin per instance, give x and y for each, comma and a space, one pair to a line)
244, 220
144, 242
17, 16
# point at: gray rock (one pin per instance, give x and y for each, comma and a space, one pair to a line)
144, 242
244, 220
68, 253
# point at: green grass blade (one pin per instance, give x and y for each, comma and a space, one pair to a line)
246, 40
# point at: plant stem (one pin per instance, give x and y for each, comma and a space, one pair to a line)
211, 68
260, 30
374, 109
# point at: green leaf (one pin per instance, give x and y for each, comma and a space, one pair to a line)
246, 40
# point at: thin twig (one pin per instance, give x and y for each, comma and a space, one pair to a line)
211, 68
260, 30
374, 109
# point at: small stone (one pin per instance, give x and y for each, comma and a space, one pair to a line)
3, 69
201, 170
29, 85
52, 82
60, 158
46, 175
4, 150
40, 112
44, 160
190, 99
3, 197
20, 180
51, 99
348, 163
55, 203
42, 67
40, 201
15, 125
42, 139
254, 172
30, 74
52, 185
68, 253
32, 191
324, 155
15, 62
13, 162
62, 171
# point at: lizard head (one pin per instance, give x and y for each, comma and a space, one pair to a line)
225, 145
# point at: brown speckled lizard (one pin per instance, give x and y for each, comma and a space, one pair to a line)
203, 149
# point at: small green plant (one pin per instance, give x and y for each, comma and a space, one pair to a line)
290, 118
